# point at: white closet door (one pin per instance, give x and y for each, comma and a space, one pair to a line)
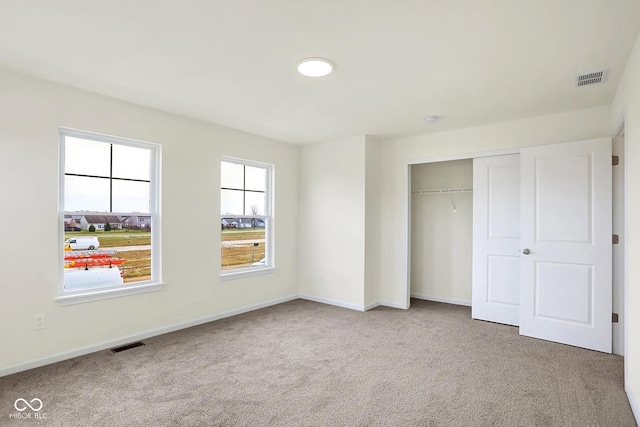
496, 239
565, 266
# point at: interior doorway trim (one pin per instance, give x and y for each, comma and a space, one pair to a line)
620, 132
407, 203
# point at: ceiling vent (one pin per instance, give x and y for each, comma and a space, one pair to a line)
591, 78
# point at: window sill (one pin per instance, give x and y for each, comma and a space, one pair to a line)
101, 294
246, 273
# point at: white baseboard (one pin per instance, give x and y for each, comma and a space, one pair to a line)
137, 337
444, 300
353, 306
394, 305
332, 302
633, 403
372, 306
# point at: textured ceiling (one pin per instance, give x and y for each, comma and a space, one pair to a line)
397, 61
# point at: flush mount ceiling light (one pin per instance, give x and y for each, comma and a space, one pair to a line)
431, 119
315, 67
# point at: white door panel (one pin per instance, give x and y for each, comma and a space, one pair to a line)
565, 280
503, 279
562, 189
496, 239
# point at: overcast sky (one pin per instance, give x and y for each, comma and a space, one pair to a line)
234, 178
87, 157
92, 194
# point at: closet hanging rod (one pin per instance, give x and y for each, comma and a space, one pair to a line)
444, 191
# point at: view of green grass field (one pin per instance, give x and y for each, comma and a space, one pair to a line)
115, 238
242, 247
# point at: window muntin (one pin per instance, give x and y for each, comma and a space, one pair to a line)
109, 213
246, 216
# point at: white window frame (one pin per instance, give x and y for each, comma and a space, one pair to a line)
269, 222
155, 284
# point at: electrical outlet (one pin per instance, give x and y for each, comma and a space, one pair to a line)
41, 322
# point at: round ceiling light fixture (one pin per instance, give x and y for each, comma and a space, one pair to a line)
431, 119
315, 67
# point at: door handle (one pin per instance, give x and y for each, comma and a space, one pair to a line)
526, 251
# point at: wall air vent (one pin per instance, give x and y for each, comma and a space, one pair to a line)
591, 78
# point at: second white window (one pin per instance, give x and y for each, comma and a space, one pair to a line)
246, 215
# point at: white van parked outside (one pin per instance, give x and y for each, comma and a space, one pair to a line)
82, 243
76, 279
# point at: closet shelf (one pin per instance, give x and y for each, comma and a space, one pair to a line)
443, 191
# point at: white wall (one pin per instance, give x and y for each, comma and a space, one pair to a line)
31, 110
441, 239
627, 104
339, 237
372, 222
397, 153
332, 222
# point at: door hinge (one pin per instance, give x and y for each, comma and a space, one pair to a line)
616, 239
615, 160
614, 317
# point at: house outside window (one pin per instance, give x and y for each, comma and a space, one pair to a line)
246, 217
109, 186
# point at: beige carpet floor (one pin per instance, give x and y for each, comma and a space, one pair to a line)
308, 364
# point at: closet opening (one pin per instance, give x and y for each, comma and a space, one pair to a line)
442, 231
